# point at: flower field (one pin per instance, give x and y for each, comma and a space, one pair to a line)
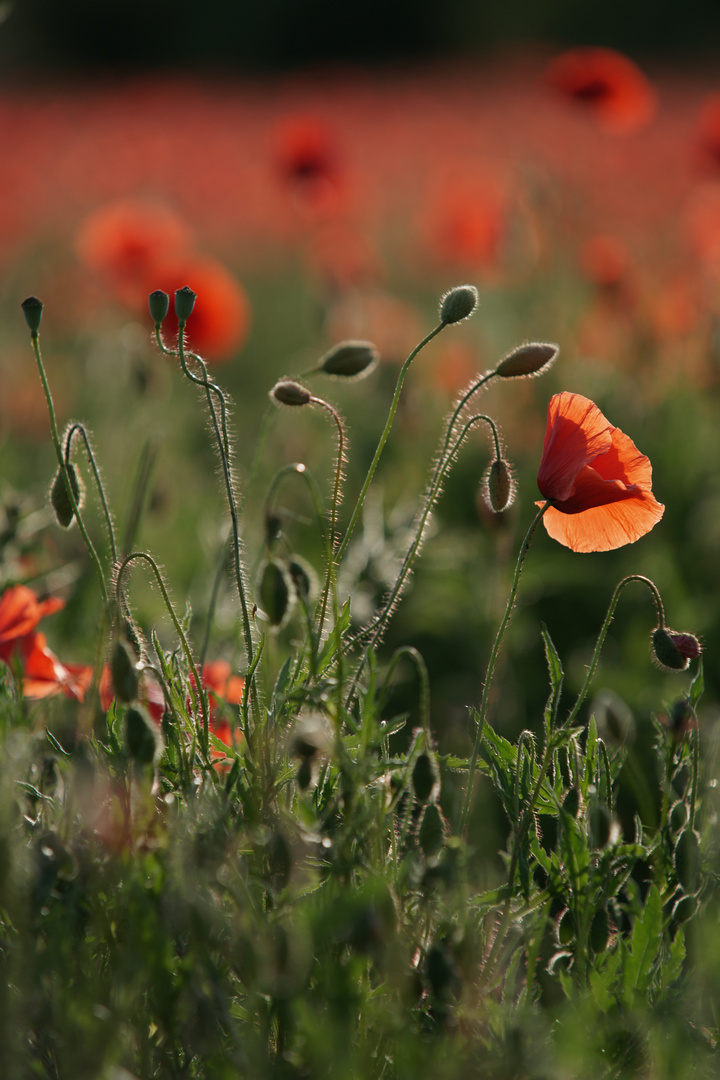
359, 525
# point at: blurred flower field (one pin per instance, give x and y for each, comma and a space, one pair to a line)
581, 197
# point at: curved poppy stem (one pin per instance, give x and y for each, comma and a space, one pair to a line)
34, 337
603, 634
384, 438
493, 660
77, 427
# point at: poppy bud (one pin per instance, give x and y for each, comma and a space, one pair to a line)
674, 651
350, 360
599, 825
184, 303
276, 593
533, 358
687, 860
565, 928
142, 738
124, 672
159, 303
424, 777
499, 486
60, 496
32, 310
458, 304
599, 930
571, 802
287, 392
431, 835
303, 577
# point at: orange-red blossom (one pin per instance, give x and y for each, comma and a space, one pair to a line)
597, 482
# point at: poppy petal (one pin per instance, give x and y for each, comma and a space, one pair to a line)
577, 433
606, 527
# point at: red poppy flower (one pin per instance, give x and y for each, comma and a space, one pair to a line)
123, 239
596, 480
308, 162
607, 84
44, 675
20, 613
220, 320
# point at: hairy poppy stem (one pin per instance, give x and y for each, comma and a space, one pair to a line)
604, 630
199, 692
98, 481
493, 660
34, 337
384, 438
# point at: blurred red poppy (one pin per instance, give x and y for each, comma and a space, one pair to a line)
308, 163
123, 239
709, 131
609, 85
220, 322
596, 480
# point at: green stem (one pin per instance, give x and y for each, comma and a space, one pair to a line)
34, 337
493, 660
98, 481
199, 690
384, 438
603, 634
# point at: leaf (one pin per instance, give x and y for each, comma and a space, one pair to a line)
334, 640
556, 673
644, 946
672, 967
697, 686
603, 977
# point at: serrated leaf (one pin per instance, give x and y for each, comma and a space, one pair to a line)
672, 968
643, 948
602, 977
556, 673
334, 640
697, 686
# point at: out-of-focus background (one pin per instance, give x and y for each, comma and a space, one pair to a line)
317, 174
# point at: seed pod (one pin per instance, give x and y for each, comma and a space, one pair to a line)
431, 835
533, 358
60, 496
159, 304
32, 310
458, 304
289, 392
143, 739
350, 360
599, 930
184, 303
276, 593
124, 672
499, 486
424, 777
687, 860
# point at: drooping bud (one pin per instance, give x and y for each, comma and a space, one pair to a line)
159, 303
425, 779
303, 577
184, 303
458, 304
276, 593
674, 651
431, 834
32, 310
533, 358
288, 392
60, 496
499, 486
124, 672
350, 360
599, 932
143, 738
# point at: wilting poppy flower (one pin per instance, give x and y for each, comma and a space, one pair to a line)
596, 480
220, 320
607, 84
